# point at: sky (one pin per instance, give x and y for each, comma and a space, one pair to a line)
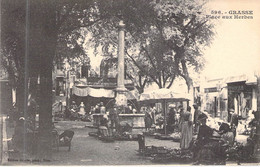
236, 47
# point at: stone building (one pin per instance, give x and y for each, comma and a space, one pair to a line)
218, 96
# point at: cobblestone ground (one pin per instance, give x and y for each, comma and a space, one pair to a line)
89, 151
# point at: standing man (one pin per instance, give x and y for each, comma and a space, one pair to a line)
233, 121
153, 111
196, 115
113, 115
102, 108
97, 108
60, 106
171, 118
148, 119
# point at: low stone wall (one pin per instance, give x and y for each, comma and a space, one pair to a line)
136, 120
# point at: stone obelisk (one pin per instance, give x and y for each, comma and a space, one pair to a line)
121, 99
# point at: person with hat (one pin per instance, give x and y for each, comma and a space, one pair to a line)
97, 108
186, 129
113, 116
233, 121
102, 108
153, 111
203, 138
148, 119
196, 115
82, 109
20, 131
171, 118
60, 106
180, 111
74, 106
208, 154
226, 134
74, 111
205, 132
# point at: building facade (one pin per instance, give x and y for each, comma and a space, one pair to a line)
218, 96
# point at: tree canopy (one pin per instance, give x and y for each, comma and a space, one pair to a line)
164, 39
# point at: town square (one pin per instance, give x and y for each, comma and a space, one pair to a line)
130, 82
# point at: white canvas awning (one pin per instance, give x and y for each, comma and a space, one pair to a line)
87, 91
160, 94
84, 91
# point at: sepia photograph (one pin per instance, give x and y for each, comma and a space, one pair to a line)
129, 82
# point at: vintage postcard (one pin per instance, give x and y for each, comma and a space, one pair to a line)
130, 82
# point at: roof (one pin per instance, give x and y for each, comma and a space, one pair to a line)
162, 94
213, 83
239, 78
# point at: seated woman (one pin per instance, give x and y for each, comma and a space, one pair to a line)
207, 150
226, 134
205, 132
21, 130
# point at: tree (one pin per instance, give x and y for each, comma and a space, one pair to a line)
13, 46
29, 42
139, 79
164, 39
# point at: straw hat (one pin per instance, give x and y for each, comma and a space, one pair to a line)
202, 116
22, 118
171, 105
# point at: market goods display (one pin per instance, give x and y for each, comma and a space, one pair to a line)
176, 136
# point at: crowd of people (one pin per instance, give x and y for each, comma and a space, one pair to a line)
196, 131
193, 129
80, 112
99, 114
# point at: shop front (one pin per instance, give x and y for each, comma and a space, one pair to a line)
215, 101
240, 97
211, 99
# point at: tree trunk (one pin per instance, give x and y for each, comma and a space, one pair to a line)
43, 39
20, 94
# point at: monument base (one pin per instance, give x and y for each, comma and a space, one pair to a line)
121, 99
135, 120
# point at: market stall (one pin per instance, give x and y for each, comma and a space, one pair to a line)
163, 96
91, 95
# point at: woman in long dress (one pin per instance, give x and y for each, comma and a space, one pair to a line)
186, 129
180, 117
148, 120
82, 109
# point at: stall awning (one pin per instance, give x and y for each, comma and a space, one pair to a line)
88, 91
84, 91
162, 94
